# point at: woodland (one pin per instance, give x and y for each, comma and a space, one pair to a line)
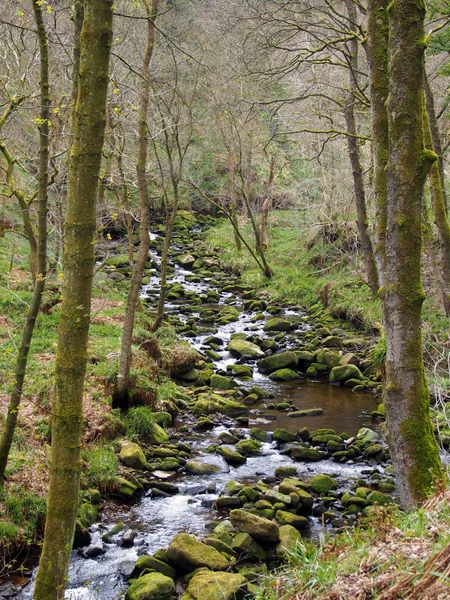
225, 299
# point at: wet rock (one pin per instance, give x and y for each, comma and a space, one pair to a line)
211, 403
228, 438
126, 489
366, 435
243, 348
283, 375
258, 434
187, 553
262, 530
153, 564
322, 484
221, 382
287, 518
216, 586
283, 472
345, 372
128, 538
249, 447
228, 501
186, 261
231, 457
94, 551
308, 454
82, 536
153, 586
277, 324
87, 514
241, 371
283, 436
307, 412
118, 527
277, 497
198, 467
278, 361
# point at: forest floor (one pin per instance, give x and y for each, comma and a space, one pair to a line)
312, 265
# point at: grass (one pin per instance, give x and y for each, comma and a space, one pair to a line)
365, 562
101, 467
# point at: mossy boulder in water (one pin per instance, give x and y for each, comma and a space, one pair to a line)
212, 403
238, 347
197, 467
249, 447
277, 324
221, 382
153, 586
308, 454
322, 484
186, 261
231, 457
153, 564
283, 375
187, 553
216, 586
283, 360
284, 436
344, 373
262, 530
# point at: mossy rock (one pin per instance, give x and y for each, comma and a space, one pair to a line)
158, 435
277, 324
306, 412
261, 529
216, 586
241, 371
322, 484
153, 586
153, 564
87, 514
243, 543
132, 455
312, 372
249, 447
308, 454
289, 539
243, 348
258, 434
187, 553
284, 436
127, 489
186, 261
366, 435
221, 382
283, 360
283, 375
211, 403
344, 372
231, 457
287, 518
377, 497
197, 467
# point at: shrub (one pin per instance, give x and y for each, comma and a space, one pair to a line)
139, 423
101, 470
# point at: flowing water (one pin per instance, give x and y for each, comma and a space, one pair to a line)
157, 520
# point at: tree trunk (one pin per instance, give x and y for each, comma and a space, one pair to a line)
266, 206
79, 260
355, 161
440, 215
123, 377
126, 205
233, 197
164, 258
412, 444
377, 56
40, 248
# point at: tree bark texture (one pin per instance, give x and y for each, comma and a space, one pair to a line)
440, 214
123, 378
411, 441
355, 161
79, 259
40, 248
266, 207
377, 56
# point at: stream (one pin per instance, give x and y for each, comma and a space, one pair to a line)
156, 521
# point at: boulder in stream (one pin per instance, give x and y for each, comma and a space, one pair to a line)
243, 348
133, 456
283, 360
345, 372
153, 586
277, 324
216, 586
187, 553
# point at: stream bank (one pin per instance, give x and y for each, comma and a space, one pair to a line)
258, 412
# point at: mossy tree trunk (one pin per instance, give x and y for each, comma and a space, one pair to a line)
266, 206
377, 56
123, 378
40, 249
410, 435
79, 258
440, 214
354, 154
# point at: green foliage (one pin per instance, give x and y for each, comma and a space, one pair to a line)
23, 510
139, 423
101, 468
378, 352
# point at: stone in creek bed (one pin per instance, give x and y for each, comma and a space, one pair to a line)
283, 375
261, 529
153, 586
307, 412
187, 553
244, 348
